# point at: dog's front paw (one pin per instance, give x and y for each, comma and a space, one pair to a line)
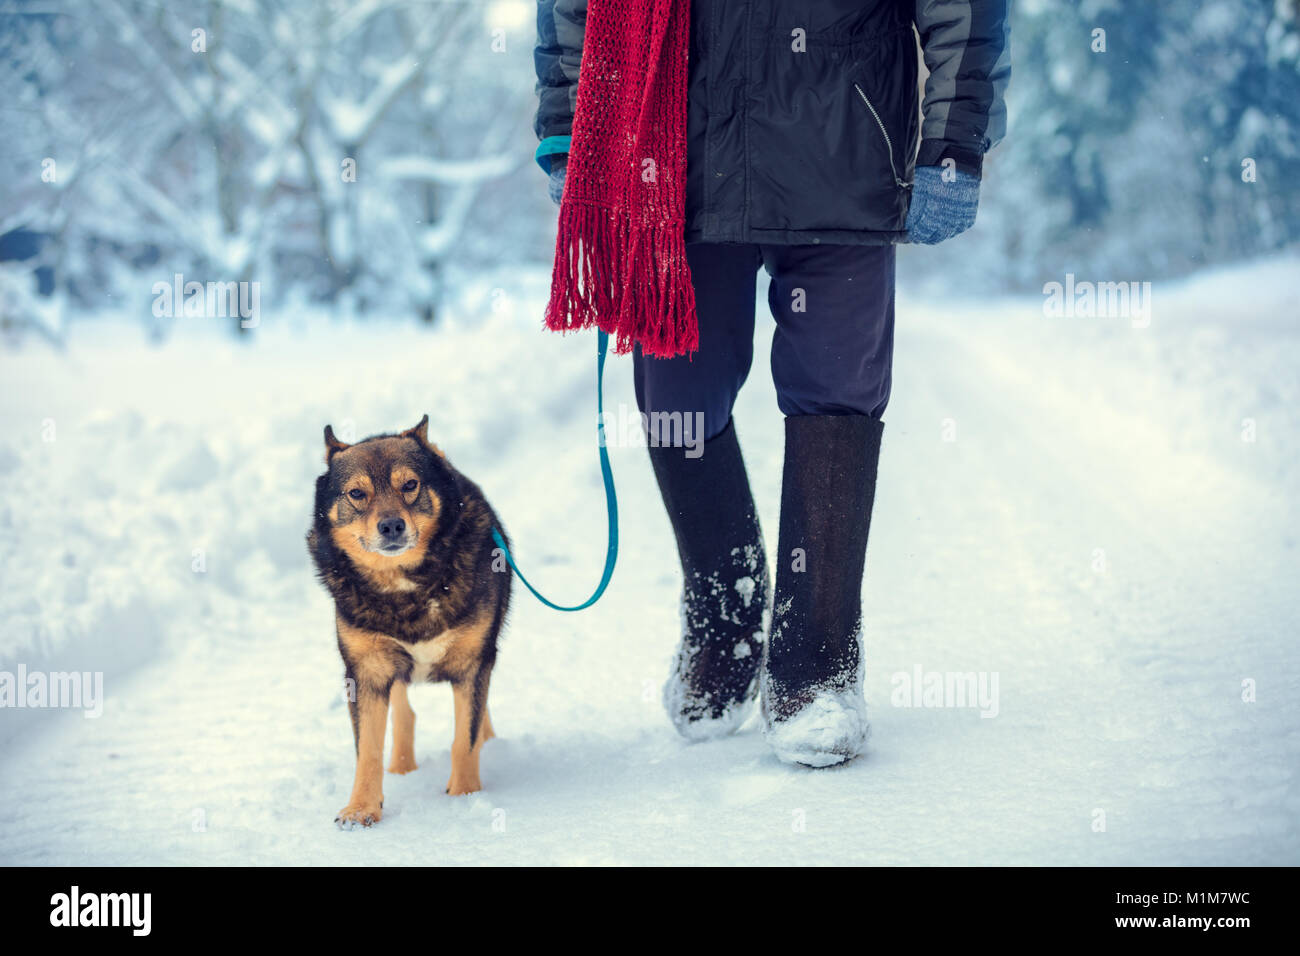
359, 815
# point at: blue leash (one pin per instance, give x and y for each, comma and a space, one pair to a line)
611, 502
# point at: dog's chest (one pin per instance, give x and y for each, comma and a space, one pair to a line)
429, 655
451, 654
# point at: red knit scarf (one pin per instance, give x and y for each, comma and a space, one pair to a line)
620, 256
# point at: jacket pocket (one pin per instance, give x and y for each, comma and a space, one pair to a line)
884, 133
883, 88
816, 158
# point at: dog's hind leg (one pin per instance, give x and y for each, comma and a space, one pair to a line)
470, 698
403, 758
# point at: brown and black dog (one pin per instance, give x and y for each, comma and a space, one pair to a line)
403, 542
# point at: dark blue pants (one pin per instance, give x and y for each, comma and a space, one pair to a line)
834, 340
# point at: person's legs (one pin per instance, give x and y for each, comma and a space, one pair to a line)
725, 277
705, 489
834, 341
831, 358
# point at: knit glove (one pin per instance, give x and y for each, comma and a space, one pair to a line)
941, 210
556, 186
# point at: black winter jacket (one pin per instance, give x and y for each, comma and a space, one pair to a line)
804, 119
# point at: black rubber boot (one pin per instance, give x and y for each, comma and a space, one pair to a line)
813, 710
725, 590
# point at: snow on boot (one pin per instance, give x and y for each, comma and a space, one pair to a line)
813, 710
726, 586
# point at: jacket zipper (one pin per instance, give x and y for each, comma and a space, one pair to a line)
885, 133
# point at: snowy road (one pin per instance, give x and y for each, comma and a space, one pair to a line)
1066, 503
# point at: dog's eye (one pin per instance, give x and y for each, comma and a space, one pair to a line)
356, 494
410, 486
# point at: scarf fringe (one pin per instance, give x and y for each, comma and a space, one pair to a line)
648, 298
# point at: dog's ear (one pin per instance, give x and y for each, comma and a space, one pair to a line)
332, 445
421, 434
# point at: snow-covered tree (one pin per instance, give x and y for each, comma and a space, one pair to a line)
330, 150
1145, 140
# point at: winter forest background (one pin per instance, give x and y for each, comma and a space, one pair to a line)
219, 140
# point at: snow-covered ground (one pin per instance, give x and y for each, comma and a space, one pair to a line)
1073, 505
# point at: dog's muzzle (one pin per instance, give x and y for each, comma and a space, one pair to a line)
394, 536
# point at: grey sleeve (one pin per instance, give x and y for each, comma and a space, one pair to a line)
557, 57
967, 49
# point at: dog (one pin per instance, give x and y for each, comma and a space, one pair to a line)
403, 543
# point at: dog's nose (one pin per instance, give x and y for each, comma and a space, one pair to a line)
392, 527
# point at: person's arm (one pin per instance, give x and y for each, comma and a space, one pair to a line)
557, 56
968, 53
